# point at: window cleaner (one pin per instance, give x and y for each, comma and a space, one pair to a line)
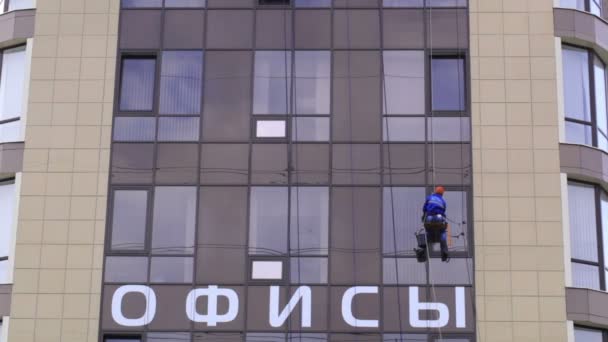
435, 225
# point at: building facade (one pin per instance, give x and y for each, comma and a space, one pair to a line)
254, 170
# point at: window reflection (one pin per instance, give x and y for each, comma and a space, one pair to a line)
272, 83
174, 220
268, 220
404, 84
137, 83
448, 85
587, 335
130, 210
134, 129
181, 82
309, 220
312, 82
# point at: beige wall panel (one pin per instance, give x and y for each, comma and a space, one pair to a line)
62, 216
519, 245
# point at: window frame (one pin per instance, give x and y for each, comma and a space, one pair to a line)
2, 50
8, 181
125, 55
601, 264
591, 58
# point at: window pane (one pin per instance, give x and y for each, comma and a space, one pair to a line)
295, 337
583, 232
404, 338
178, 129
174, 220
576, 83
134, 129
171, 270
270, 129
8, 199
406, 270
12, 83
126, 269
577, 4
137, 84
181, 82
585, 276
313, 72
448, 86
403, 3
129, 339
129, 214
168, 337
308, 270
458, 214
313, 3
447, 3
185, 3
141, 3
403, 207
458, 271
272, 82
403, 129
404, 82
10, 132
596, 8
600, 95
268, 220
309, 220
587, 335
20, 4
449, 129
578, 133
310, 129
218, 337
264, 337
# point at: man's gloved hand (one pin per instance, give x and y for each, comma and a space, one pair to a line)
422, 218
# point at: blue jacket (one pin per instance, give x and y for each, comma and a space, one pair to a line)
434, 204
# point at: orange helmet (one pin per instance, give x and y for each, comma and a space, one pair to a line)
439, 190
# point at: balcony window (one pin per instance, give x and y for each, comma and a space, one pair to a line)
589, 335
12, 92
7, 213
593, 6
585, 106
588, 211
13, 5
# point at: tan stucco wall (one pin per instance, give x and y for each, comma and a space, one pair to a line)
518, 212
63, 194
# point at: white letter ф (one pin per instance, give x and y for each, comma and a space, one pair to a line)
304, 293
347, 307
416, 306
149, 313
212, 318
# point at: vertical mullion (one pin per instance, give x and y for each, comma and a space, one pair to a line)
591, 62
598, 223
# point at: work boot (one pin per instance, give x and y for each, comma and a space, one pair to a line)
445, 257
420, 254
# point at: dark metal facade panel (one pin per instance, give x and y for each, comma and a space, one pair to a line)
584, 163
587, 307
16, 27
5, 299
11, 157
582, 28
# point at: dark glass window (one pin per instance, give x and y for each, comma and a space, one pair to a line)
180, 82
274, 2
122, 339
310, 129
268, 220
130, 210
404, 85
448, 85
309, 220
126, 269
272, 84
313, 3
171, 270
137, 84
174, 220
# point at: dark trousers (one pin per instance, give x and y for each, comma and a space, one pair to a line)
434, 234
